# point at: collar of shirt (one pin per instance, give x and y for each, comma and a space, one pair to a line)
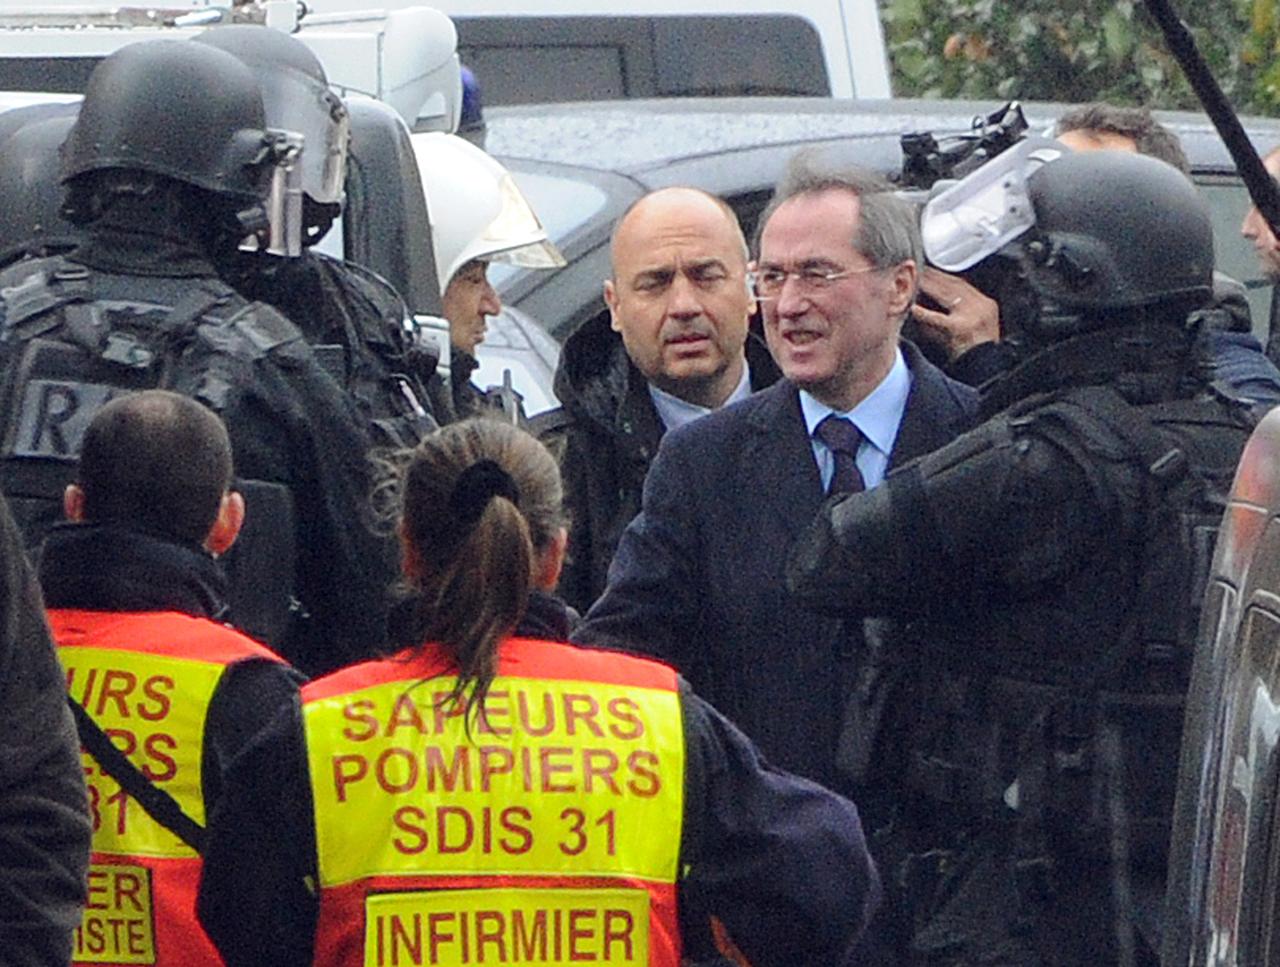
878, 416
675, 412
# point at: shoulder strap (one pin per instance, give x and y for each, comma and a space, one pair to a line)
35, 289
160, 806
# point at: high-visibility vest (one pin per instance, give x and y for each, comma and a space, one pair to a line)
548, 834
146, 678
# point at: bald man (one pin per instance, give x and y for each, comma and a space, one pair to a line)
674, 345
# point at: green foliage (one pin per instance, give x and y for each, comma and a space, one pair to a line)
1082, 50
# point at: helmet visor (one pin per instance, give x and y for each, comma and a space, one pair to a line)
515, 235
984, 211
296, 102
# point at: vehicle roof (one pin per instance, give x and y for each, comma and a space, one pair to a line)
738, 148
639, 136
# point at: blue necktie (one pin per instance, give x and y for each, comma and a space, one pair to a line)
842, 439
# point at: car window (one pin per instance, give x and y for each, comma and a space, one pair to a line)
62, 75
529, 60
1228, 203
1248, 807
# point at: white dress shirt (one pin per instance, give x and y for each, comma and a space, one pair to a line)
675, 412
878, 416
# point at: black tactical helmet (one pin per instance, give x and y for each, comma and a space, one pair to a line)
1116, 230
296, 95
29, 192
188, 112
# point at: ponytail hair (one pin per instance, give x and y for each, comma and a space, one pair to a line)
480, 499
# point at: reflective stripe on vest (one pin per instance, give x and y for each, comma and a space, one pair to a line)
550, 836
147, 680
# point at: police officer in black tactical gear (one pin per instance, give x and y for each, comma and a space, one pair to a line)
352, 317
168, 165
1048, 567
30, 223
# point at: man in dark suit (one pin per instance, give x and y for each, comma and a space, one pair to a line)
698, 575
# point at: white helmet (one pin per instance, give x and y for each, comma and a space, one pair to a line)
476, 210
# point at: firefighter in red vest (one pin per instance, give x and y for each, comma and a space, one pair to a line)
492, 795
164, 694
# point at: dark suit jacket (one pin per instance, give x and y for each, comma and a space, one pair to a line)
698, 576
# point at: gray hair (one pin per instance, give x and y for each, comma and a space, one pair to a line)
888, 224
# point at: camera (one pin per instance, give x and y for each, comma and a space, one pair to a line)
927, 160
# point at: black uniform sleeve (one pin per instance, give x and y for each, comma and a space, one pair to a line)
44, 820
258, 898
990, 513
248, 698
779, 860
983, 362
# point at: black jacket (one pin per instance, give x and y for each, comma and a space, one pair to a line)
605, 434
1051, 562
44, 816
780, 860
457, 398
354, 320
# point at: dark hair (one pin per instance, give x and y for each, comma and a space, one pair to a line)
156, 460
888, 225
1148, 135
479, 499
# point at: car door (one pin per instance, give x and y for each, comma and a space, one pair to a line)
1224, 871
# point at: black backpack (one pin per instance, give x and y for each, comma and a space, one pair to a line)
65, 353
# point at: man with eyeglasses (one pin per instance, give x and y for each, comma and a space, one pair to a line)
697, 578
674, 345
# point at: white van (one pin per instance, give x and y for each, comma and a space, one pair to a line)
405, 57
531, 51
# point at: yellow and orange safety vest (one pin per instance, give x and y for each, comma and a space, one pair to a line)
147, 679
548, 834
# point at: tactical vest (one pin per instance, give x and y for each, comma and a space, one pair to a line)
355, 322
546, 831
382, 373
146, 679
66, 351
1096, 737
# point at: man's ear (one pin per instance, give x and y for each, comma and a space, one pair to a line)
73, 503
611, 300
550, 562
226, 527
904, 282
